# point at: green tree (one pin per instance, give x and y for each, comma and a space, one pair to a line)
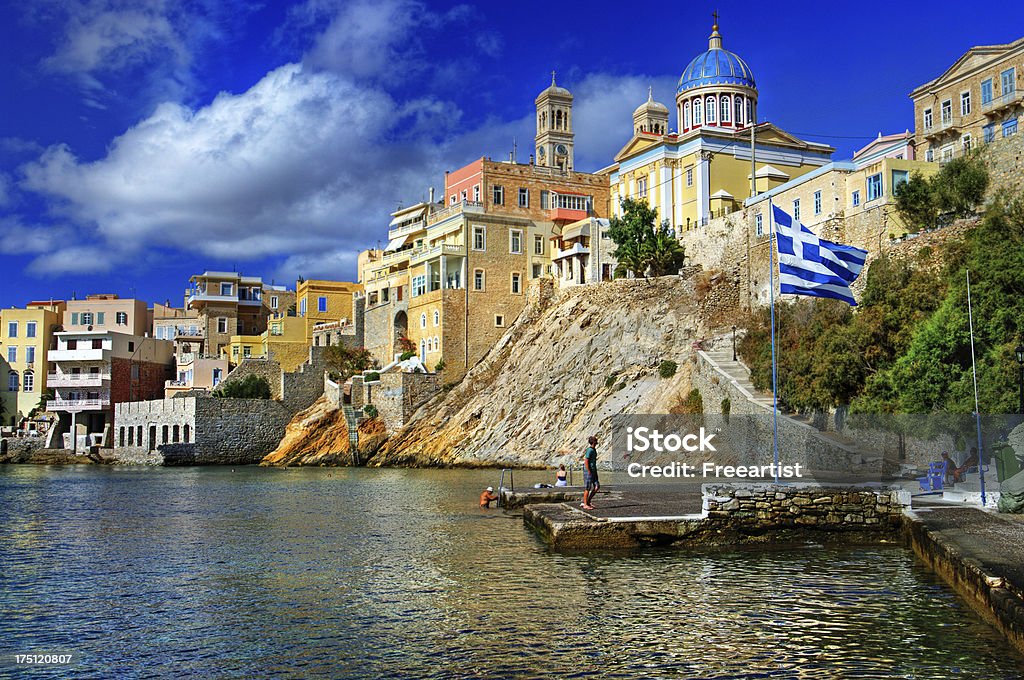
249, 387
344, 362
40, 407
916, 203
960, 185
642, 246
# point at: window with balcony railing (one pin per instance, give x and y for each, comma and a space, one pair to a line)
570, 201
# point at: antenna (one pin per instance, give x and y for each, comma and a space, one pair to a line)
515, 151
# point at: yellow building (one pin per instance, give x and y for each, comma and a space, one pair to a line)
319, 301
26, 336
979, 99
244, 347
284, 341
704, 169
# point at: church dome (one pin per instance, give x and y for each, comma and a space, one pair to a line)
717, 66
650, 106
555, 90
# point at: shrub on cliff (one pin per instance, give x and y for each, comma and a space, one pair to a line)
956, 190
667, 369
344, 362
249, 387
642, 245
370, 410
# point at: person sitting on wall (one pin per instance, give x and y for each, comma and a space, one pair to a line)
487, 497
972, 461
949, 468
560, 476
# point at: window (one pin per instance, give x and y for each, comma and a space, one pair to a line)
1009, 127
1007, 82
30, 355
947, 112
12, 329
247, 351
689, 176
524, 197
796, 209
929, 155
686, 114
437, 318
499, 321
947, 153
464, 195
874, 186
856, 198
302, 307
121, 318
273, 302
986, 91
217, 374
965, 143
750, 112
538, 245
759, 225
99, 319
927, 119
227, 289
12, 381
817, 202
452, 200
437, 344
419, 285
498, 194
234, 351
30, 329
479, 238
739, 110
222, 324
988, 133
965, 103
74, 318
321, 303
476, 193
517, 283
641, 187
98, 344
276, 329
478, 279
709, 109
899, 177
28, 381
535, 272
515, 241
12, 354
86, 318
423, 320
698, 110
571, 202
724, 113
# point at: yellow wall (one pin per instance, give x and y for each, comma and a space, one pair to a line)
338, 296
17, 404
237, 346
285, 342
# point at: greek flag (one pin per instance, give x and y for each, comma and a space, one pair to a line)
812, 266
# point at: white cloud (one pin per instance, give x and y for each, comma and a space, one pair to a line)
73, 260
18, 238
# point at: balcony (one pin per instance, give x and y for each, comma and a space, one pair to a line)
999, 104
77, 379
473, 207
423, 254
78, 404
405, 230
78, 355
573, 249
942, 126
185, 333
200, 295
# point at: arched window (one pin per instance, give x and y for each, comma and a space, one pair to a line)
176, 434
724, 115
437, 343
423, 348
558, 120
131, 436
186, 435
423, 320
750, 112
698, 110
709, 107
437, 318
686, 115
739, 110
12, 381
28, 381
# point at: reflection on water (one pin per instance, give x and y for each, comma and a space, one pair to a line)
378, 573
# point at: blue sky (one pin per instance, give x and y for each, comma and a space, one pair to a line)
142, 142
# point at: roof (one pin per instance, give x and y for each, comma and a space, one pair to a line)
717, 66
555, 90
651, 105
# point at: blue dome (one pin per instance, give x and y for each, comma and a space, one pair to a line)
716, 67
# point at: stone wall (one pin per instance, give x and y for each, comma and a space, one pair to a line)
761, 507
399, 395
268, 369
198, 431
1005, 159
302, 387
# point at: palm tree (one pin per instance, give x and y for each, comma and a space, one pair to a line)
642, 247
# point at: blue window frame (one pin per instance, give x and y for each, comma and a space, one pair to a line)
1009, 127
759, 224
12, 354
989, 132
875, 186
899, 177
986, 91
856, 198
321, 304
1008, 81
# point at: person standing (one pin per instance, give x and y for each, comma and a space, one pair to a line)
591, 484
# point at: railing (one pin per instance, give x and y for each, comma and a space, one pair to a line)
72, 404
501, 482
421, 254
189, 333
54, 378
395, 232
1002, 102
944, 123
462, 206
574, 249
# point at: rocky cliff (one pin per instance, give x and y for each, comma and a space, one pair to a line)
318, 435
560, 372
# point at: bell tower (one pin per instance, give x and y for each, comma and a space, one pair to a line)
554, 127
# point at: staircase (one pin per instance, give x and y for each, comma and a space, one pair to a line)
740, 374
352, 420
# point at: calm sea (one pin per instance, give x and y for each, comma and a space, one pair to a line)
396, 573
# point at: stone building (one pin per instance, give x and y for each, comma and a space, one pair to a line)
226, 304
704, 169
979, 99
582, 253
454, 274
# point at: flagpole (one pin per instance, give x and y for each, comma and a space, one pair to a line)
977, 408
775, 372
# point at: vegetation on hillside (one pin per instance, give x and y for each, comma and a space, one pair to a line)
644, 247
906, 348
344, 362
249, 387
953, 192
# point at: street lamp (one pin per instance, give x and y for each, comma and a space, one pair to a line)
734, 348
1020, 376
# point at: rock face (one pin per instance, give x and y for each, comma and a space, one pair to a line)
557, 376
318, 435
